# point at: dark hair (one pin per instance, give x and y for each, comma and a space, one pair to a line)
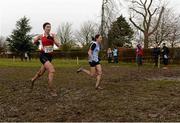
92, 37
139, 46
97, 36
44, 25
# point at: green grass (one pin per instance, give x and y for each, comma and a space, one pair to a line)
65, 63
36, 63
57, 62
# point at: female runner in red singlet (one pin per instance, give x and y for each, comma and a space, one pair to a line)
47, 40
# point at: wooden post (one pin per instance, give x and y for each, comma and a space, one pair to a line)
77, 60
159, 61
14, 58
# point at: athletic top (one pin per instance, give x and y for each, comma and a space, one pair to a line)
139, 52
47, 44
95, 47
115, 52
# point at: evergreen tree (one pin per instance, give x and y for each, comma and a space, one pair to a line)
20, 41
120, 33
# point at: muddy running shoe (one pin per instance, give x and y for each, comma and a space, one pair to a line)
79, 70
99, 88
31, 84
53, 93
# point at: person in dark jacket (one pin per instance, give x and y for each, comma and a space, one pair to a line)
165, 55
156, 54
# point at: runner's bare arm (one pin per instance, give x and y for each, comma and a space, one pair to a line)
89, 52
56, 40
36, 39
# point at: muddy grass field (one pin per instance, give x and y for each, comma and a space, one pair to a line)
151, 95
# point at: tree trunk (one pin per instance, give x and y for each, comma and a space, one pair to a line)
105, 41
172, 45
22, 56
102, 19
146, 40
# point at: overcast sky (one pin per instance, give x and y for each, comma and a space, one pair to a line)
53, 11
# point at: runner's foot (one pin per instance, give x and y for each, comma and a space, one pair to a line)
32, 84
79, 70
53, 93
99, 88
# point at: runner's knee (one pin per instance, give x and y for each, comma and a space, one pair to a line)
51, 70
92, 74
99, 73
40, 73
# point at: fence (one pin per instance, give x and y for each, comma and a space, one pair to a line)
125, 55
129, 55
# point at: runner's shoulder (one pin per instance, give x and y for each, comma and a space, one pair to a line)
53, 35
93, 45
39, 36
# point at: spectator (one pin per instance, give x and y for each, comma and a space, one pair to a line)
115, 55
156, 54
165, 55
26, 56
139, 55
109, 55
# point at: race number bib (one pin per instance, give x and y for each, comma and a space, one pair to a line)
48, 49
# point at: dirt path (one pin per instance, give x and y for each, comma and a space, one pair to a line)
151, 95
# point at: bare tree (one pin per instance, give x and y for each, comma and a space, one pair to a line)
3, 44
87, 30
109, 12
144, 9
168, 30
164, 29
65, 33
174, 37
2, 40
